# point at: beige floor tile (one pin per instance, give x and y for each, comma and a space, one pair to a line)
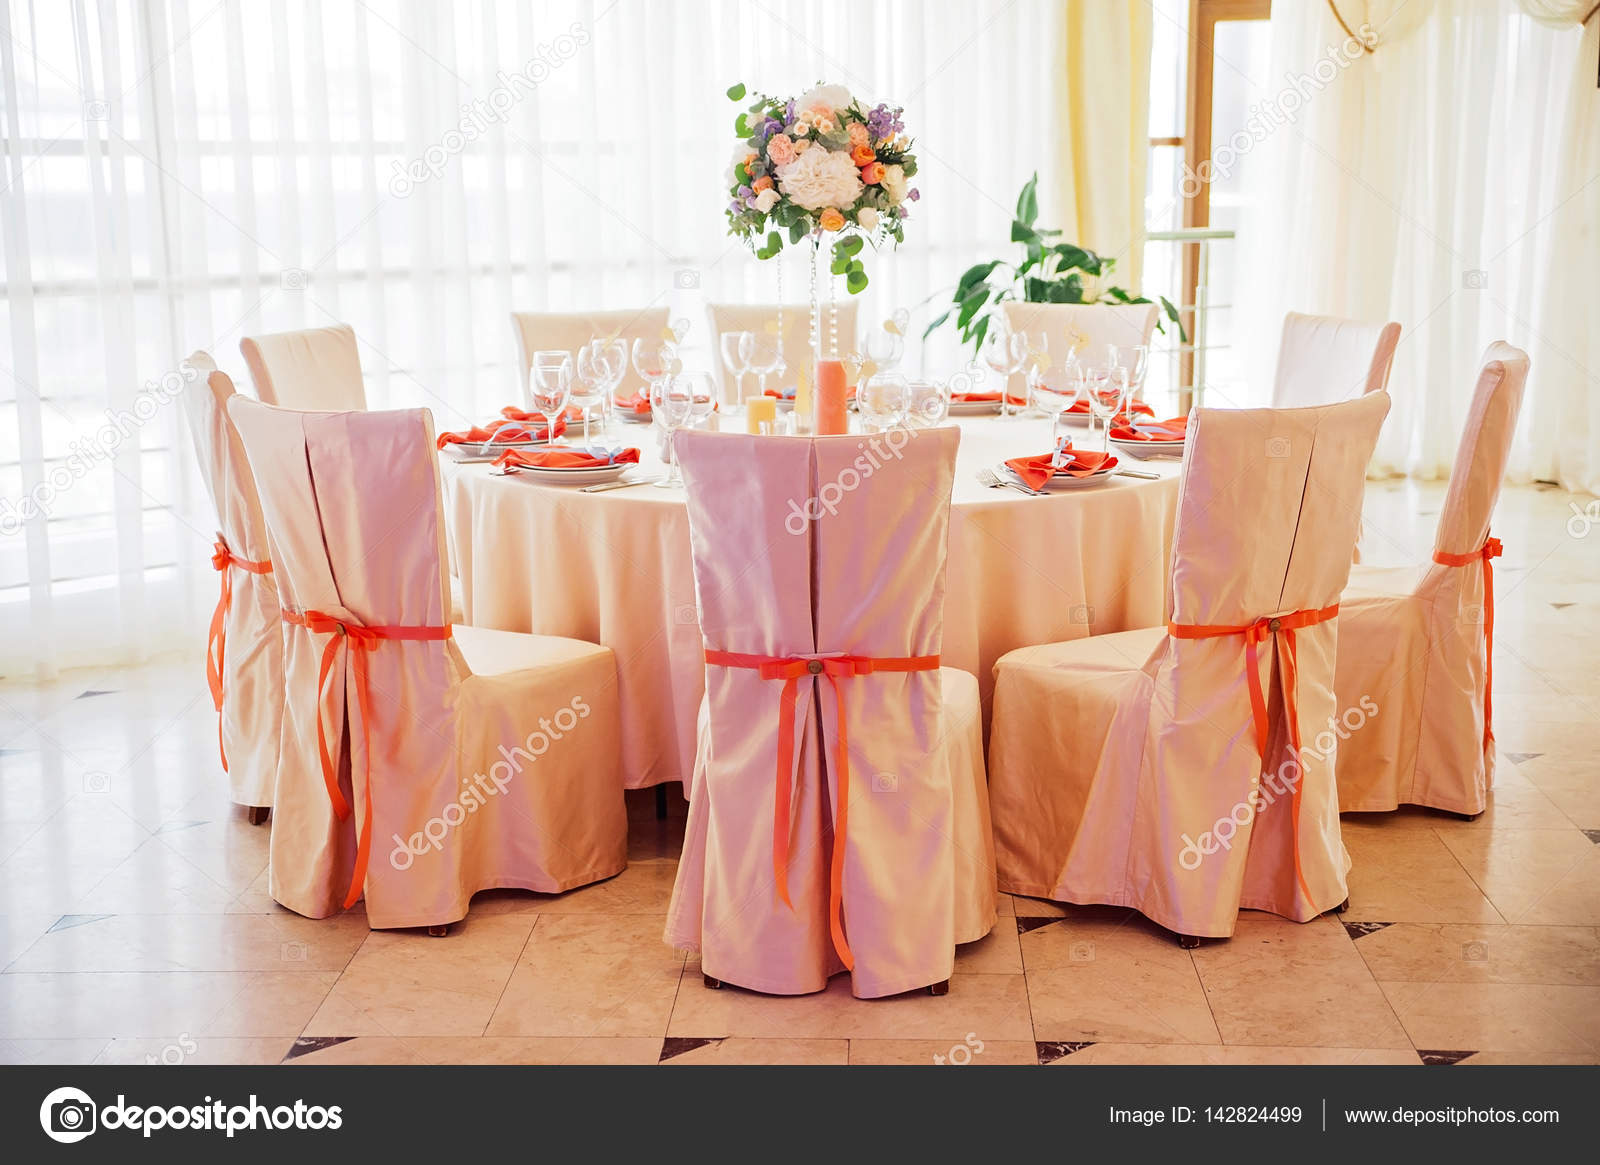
1483, 953
155, 879
1513, 804
1542, 1059
81, 1051
996, 953
1502, 1017
197, 1003
1277, 982
643, 888
1409, 875
1539, 877
969, 1050
175, 1050
405, 983
478, 1050
756, 1051
591, 975
197, 942
1102, 980
992, 1006
1231, 1054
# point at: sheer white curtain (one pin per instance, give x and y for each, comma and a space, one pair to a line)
1418, 183
179, 173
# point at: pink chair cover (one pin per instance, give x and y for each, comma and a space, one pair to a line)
317, 368
761, 317
251, 668
1414, 641
493, 757
1125, 769
569, 331
865, 579
1323, 360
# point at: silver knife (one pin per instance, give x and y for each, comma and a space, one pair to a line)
605, 485
1137, 473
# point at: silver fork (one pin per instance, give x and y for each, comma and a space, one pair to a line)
993, 480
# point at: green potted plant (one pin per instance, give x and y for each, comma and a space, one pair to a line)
1049, 272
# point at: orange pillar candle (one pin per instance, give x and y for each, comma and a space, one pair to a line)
832, 414
760, 415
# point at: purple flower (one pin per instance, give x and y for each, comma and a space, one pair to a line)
745, 192
736, 207
913, 194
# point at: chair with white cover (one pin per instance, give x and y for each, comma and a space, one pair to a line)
1081, 327
421, 762
838, 818
569, 331
763, 318
244, 650
315, 368
1323, 360
1162, 769
1417, 643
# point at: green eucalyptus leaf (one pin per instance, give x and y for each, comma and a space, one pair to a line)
856, 282
736, 92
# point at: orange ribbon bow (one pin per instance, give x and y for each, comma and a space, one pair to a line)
222, 559
790, 669
358, 640
1486, 554
1255, 634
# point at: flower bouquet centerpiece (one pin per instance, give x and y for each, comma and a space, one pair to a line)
816, 165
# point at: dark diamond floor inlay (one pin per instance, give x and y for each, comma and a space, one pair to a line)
1593, 835
87, 692
306, 1044
1517, 758
1027, 922
1561, 606
68, 921
678, 1045
1357, 929
1050, 1051
176, 826
1439, 1057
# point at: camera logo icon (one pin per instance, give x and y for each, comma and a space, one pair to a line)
294, 279
1475, 952
96, 110
885, 783
1277, 447
686, 279
1475, 280
67, 1115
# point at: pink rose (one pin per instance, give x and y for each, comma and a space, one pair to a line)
780, 148
858, 134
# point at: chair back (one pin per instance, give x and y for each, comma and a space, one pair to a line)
315, 368
1323, 360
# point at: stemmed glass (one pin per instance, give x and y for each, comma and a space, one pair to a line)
703, 400
884, 349
883, 398
1135, 359
549, 386
736, 351
589, 385
1056, 390
671, 408
766, 357
655, 360
1004, 352
1105, 389
928, 402
1035, 359
610, 358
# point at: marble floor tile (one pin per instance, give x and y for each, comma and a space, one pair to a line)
1231, 1054
184, 1049
1401, 874
473, 1050
1548, 877
80, 1005
1501, 1017
969, 1050
678, 1050
1482, 953
196, 942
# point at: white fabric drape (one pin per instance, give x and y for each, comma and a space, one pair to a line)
1423, 183
179, 173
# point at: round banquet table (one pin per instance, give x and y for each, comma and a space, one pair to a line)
613, 568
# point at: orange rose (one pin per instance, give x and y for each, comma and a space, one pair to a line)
831, 220
872, 173
858, 134
761, 183
862, 154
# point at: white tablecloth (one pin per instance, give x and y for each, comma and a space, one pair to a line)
614, 568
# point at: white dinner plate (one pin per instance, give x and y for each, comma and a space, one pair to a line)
629, 417
473, 451
1065, 481
974, 408
1150, 448
572, 475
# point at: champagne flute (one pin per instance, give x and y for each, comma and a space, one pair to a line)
589, 384
549, 385
737, 348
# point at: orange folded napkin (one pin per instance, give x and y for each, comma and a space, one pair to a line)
1035, 471
1174, 430
1138, 408
973, 398
564, 457
501, 430
637, 403
513, 413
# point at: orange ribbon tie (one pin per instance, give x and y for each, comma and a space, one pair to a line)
1255, 634
358, 640
1486, 554
790, 669
222, 559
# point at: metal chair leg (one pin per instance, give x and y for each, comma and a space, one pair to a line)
940, 988
438, 931
257, 814
661, 802
712, 984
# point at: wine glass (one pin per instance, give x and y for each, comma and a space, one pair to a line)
927, 402
549, 385
671, 408
884, 348
1105, 388
653, 359
589, 384
703, 399
1004, 352
883, 399
1035, 358
1056, 389
736, 351
766, 357
1135, 358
